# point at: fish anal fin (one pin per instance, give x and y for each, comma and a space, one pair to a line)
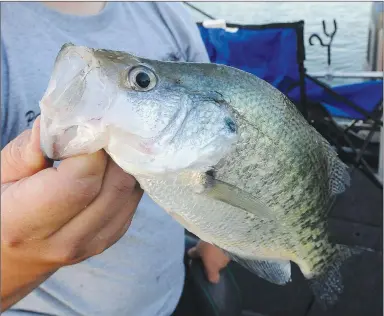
274, 271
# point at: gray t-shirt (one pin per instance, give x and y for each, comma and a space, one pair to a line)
143, 273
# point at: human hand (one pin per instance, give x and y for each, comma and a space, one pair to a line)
52, 217
213, 259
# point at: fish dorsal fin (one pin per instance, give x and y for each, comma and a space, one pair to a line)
274, 271
236, 197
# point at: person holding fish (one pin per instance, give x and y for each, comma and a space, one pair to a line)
72, 241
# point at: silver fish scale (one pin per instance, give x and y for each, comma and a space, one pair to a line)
235, 231
282, 161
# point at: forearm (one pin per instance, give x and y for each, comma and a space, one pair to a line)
18, 280
21, 292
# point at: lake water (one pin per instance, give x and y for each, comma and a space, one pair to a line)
349, 44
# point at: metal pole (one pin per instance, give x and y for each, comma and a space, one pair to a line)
349, 75
200, 11
381, 157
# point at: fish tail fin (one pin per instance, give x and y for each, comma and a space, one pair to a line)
328, 286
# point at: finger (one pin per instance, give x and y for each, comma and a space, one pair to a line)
22, 157
44, 202
64, 249
111, 233
96, 246
212, 273
118, 193
120, 222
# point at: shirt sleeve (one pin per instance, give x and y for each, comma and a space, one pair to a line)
4, 96
184, 30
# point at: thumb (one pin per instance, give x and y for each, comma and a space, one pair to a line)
23, 157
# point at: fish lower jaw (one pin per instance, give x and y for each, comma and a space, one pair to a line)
148, 169
136, 161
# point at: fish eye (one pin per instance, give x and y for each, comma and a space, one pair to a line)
142, 78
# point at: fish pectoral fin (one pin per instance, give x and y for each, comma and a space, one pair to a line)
274, 271
237, 197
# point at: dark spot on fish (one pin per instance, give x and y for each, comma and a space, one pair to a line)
230, 124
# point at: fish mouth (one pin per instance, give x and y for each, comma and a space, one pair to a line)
55, 146
62, 135
73, 140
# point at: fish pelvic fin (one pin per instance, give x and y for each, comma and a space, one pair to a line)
274, 271
328, 286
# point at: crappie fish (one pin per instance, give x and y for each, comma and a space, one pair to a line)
223, 152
